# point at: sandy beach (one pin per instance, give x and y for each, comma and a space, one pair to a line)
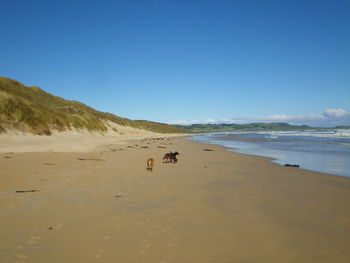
102, 205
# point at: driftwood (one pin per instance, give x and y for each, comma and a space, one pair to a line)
89, 159
208, 150
27, 191
292, 165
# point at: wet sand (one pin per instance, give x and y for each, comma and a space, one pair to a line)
212, 206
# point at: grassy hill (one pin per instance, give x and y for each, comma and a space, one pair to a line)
33, 110
210, 128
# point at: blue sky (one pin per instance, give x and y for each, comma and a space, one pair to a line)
186, 61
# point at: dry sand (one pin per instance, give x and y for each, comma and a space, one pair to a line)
73, 140
212, 206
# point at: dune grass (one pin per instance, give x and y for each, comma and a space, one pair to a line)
31, 109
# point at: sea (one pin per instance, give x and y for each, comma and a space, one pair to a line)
326, 151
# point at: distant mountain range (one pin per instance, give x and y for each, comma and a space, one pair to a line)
216, 128
31, 109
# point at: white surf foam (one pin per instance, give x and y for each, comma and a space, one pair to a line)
336, 133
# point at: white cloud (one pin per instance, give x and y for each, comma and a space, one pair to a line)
335, 113
330, 118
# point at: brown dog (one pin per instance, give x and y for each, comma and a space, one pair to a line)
150, 164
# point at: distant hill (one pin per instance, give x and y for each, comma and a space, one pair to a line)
33, 110
211, 128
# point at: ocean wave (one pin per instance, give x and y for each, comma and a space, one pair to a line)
336, 133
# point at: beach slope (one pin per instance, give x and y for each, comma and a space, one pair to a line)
102, 205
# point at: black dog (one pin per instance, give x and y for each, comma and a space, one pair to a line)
170, 157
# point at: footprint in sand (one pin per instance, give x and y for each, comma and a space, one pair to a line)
62, 215
33, 239
166, 229
58, 226
36, 238
98, 254
22, 256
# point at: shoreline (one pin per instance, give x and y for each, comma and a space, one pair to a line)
270, 159
282, 152
211, 206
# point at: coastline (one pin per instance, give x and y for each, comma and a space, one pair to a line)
212, 206
309, 153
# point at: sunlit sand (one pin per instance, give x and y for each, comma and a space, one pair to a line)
103, 205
